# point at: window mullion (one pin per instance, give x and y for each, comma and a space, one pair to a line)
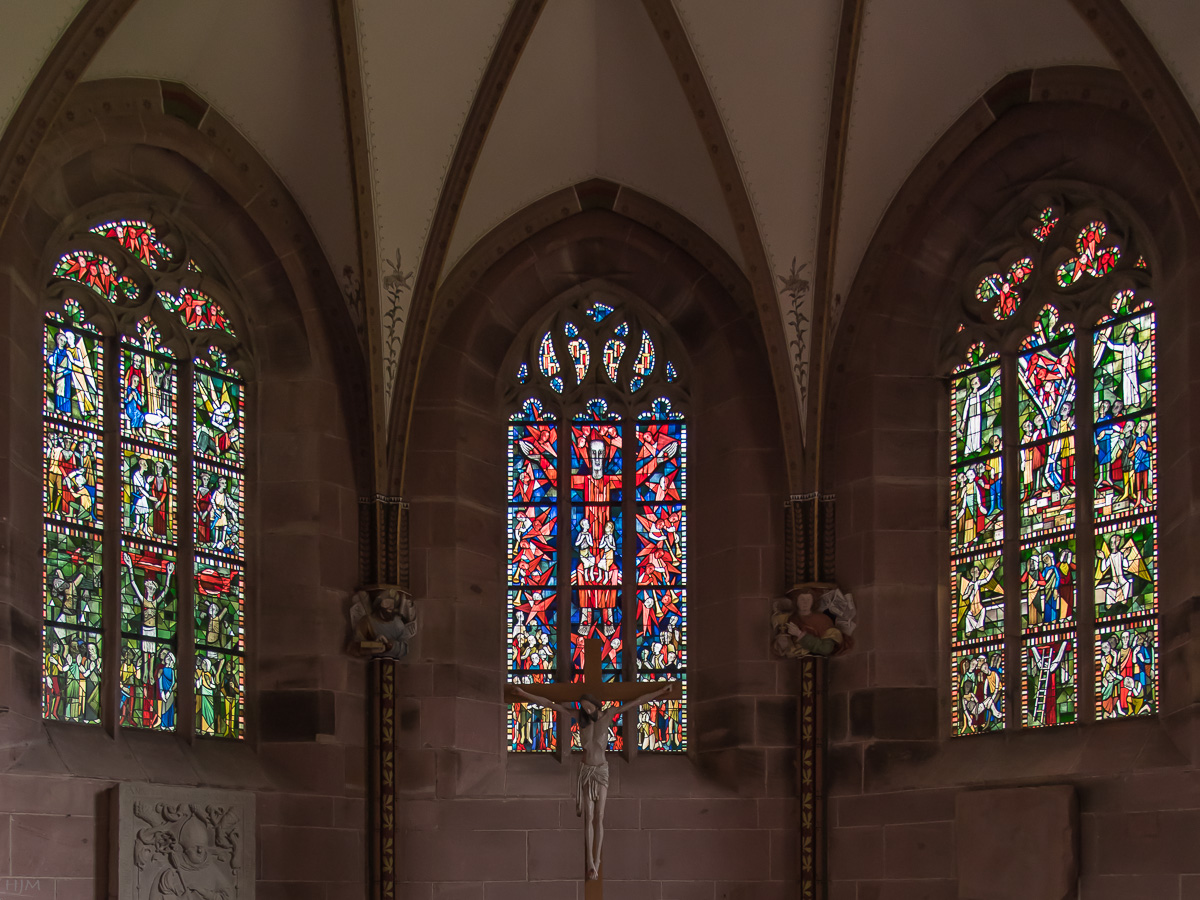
629, 575
185, 623
565, 548
1010, 404
1085, 545
110, 680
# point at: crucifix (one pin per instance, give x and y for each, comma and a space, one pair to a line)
591, 789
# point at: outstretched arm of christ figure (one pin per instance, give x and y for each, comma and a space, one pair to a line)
645, 698
542, 701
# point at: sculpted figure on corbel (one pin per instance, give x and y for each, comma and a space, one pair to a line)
814, 619
383, 621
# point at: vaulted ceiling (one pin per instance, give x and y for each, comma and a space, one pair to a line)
594, 93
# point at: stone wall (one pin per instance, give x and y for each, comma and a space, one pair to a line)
476, 822
304, 755
897, 780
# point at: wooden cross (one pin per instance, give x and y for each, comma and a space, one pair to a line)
605, 691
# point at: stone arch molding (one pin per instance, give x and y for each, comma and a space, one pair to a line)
1072, 135
600, 232
193, 171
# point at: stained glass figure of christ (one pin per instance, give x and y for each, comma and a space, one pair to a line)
577, 571
157, 442
1020, 546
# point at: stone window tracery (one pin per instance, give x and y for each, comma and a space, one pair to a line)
1054, 483
597, 515
144, 485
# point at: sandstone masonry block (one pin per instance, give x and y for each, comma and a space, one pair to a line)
1017, 842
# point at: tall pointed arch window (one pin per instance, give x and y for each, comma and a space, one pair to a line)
597, 517
1054, 482
144, 483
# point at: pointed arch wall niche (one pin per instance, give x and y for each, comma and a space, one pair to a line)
597, 513
144, 483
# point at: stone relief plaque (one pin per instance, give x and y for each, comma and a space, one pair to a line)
182, 842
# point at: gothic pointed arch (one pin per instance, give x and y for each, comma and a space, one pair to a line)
1054, 479
597, 390
144, 438
169, 244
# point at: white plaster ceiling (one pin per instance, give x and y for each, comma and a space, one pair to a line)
273, 74
769, 66
922, 64
594, 95
422, 62
29, 29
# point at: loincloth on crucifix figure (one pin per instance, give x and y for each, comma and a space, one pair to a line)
591, 783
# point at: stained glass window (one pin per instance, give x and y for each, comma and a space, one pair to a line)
171, 558
1047, 566
619, 572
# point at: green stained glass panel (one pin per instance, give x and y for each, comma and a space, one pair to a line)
977, 505
220, 686
73, 581
1050, 680
220, 603
978, 586
73, 466
975, 413
148, 494
219, 418
977, 691
1126, 576
1127, 669
1125, 473
218, 517
149, 591
1124, 367
147, 397
1049, 580
71, 674
148, 681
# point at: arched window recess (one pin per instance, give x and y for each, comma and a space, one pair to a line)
144, 436
1053, 474
597, 511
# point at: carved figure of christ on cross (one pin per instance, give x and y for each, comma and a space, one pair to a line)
591, 792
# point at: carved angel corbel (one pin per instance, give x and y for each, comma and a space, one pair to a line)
382, 625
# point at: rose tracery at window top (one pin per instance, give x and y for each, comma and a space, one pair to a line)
595, 447
1026, 521
111, 334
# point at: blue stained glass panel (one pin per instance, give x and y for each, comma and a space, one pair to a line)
73, 375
